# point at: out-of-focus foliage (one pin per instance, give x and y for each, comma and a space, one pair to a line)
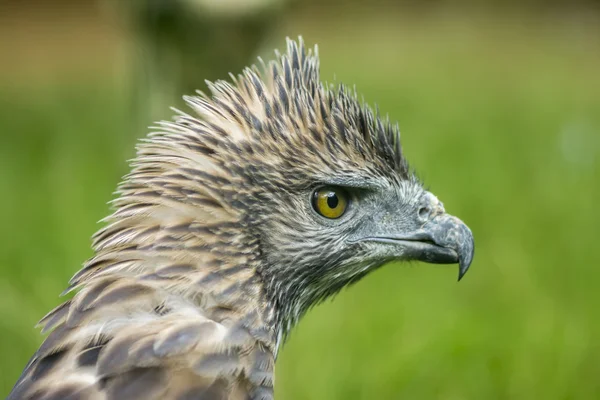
500, 113
538, 5
178, 44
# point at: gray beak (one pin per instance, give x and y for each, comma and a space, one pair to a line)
444, 239
447, 233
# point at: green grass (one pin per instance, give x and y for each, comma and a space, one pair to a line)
501, 118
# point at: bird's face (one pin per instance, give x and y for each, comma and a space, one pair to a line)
324, 228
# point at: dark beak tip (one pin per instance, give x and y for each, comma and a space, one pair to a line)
461, 272
465, 259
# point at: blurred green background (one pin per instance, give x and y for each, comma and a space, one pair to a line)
499, 105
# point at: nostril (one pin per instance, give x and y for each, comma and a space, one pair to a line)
424, 212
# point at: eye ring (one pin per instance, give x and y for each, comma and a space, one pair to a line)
330, 202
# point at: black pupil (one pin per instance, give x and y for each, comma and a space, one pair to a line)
332, 200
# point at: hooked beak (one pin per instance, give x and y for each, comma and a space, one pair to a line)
444, 239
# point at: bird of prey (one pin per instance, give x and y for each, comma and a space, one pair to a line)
272, 194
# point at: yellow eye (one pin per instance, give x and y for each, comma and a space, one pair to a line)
330, 202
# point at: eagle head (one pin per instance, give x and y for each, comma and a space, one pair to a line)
306, 180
